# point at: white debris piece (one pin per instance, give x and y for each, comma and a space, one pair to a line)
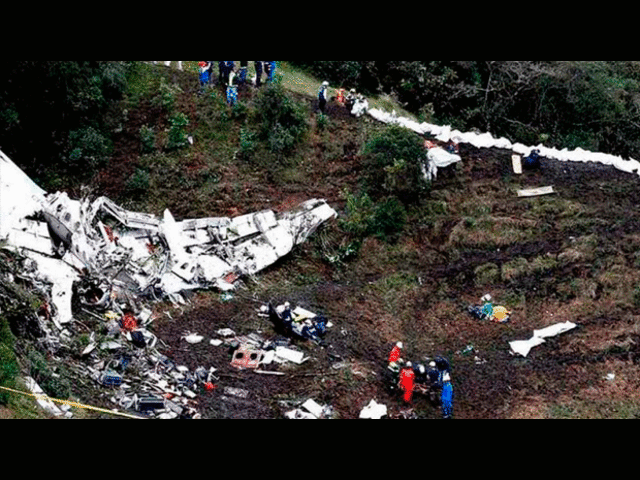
43, 402
314, 408
532, 192
516, 162
288, 354
311, 410
226, 332
193, 338
236, 392
524, 346
374, 410
553, 330
300, 313
438, 158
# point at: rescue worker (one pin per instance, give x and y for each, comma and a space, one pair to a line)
395, 357
287, 319
204, 74
420, 374
243, 73
532, 161
258, 66
228, 68
232, 91
322, 96
406, 383
446, 397
270, 69
221, 69
350, 100
487, 307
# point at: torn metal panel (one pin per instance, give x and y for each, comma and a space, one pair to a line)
31, 235
246, 357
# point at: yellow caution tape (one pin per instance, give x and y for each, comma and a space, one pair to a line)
72, 404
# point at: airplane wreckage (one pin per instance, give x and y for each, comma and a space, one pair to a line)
104, 252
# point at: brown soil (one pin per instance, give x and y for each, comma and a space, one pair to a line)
431, 318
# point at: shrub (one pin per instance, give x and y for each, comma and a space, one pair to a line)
138, 184
8, 364
166, 97
248, 143
177, 133
394, 164
147, 139
88, 148
389, 219
384, 220
283, 121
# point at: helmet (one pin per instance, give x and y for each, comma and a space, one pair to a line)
399, 344
421, 368
287, 304
325, 83
408, 364
432, 364
446, 377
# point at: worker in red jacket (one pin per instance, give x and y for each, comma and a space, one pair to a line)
407, 377
395, 356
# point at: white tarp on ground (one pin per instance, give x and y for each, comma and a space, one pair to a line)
524, 346
486, 140
374, 410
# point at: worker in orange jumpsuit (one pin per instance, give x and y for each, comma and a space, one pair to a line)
407, 376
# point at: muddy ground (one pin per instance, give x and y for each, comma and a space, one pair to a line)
435, 275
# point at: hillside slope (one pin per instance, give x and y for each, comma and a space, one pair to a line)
571, 256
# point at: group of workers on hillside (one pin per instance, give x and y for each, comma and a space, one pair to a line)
437, 378
349, 100
227, 74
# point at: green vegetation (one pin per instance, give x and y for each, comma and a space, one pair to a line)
592, 105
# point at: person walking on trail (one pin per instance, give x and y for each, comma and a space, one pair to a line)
406, 383
395, 357
446, 397
258, 66
322, 96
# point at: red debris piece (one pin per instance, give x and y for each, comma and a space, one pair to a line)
112, 237
208, 386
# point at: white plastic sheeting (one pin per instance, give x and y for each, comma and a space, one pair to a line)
438, 158
486, 140
374, 410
